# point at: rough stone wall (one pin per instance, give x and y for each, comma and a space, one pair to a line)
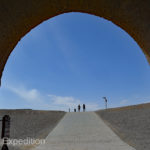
18, 17
130, 123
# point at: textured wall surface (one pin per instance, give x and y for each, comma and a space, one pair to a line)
18, 17
131, 124
27, 123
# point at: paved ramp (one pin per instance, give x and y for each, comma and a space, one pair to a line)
83, 131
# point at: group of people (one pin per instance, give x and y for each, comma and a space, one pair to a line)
79, 108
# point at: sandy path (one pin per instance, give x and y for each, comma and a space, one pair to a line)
83, 131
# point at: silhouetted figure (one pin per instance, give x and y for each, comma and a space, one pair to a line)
105, 101
79, 107
69, 109
83, 107
74, 110
5, 147
5, 131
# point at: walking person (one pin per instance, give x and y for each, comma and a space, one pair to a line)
74, 110
79, 107
83, 107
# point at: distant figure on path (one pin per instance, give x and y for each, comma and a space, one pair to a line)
69, 109
83, 107
79, 108
74, 110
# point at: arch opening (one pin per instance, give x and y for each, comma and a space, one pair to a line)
131, 16
110, 48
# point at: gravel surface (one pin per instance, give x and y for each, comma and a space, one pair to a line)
131, 123
31, 124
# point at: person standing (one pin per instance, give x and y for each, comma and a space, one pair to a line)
74, 110
83, 107
79, 107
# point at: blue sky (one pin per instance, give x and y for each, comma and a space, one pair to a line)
75, 58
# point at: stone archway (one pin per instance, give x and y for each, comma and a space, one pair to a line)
18, 17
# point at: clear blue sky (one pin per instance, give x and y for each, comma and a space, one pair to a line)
75, 58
